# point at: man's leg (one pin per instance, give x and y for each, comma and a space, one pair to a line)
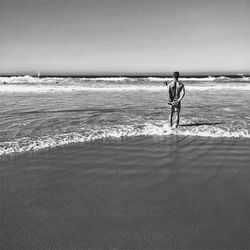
170, 119
177, 119
177, 114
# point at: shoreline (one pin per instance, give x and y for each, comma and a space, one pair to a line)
122, 138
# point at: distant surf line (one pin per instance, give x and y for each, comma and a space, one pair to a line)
73, 88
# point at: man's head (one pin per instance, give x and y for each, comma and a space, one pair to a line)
176, 75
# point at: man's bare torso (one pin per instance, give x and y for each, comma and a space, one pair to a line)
175, 88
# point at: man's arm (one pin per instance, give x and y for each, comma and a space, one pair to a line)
170, 98
182, 94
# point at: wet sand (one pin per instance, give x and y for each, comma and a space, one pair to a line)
135, 193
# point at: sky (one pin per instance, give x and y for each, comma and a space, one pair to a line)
124, 36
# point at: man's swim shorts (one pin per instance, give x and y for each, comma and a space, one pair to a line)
175, 108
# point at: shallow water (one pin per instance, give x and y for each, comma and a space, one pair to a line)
48, 112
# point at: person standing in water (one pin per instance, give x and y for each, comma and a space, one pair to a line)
176, 92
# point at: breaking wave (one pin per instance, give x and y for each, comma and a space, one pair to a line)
61, 84
27, 144
32, 79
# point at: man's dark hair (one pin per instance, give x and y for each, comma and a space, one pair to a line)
176, 74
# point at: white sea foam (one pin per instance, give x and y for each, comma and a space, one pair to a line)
69, 88
27, 144
30, 79
113, 79
56, 84
200, 79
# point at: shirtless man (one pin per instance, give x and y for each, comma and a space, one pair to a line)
176, 92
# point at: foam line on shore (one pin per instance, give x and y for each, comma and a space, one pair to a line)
28, 144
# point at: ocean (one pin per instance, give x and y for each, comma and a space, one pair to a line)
40, 113
91, 163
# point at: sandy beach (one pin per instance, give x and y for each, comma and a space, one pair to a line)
153, 192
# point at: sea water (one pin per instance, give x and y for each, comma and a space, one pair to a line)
39, 113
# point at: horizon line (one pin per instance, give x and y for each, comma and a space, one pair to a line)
124, 74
